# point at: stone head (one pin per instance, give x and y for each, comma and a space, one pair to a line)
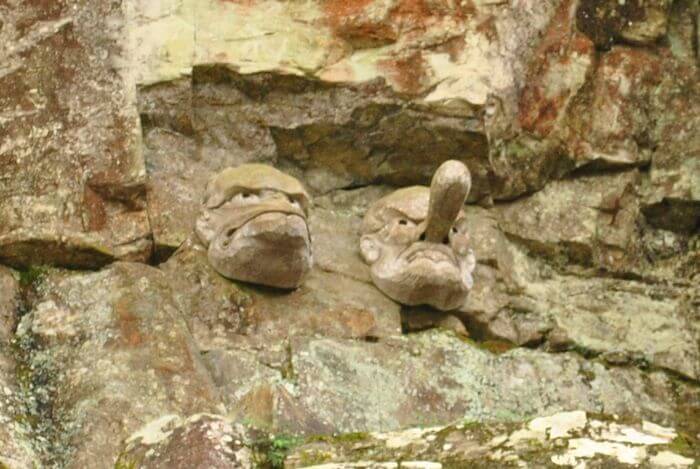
416, 241
254, 224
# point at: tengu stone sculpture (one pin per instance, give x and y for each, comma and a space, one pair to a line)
254, 225
416, 242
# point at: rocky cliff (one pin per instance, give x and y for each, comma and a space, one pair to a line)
580, 342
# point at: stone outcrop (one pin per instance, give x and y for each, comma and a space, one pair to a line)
328, 385
579, 121
567, 439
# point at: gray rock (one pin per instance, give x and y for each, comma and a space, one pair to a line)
330, 385
9, 303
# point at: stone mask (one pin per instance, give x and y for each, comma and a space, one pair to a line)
416, 242
254, 225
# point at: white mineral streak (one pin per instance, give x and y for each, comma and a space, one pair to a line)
155, 431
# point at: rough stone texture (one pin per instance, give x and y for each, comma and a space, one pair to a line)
328, 385
588, 220
9, 303
445, 83
635, 21
220, 311
71, 166
527, 300
673, 202
108, 352
203, 440
16, 446
559, 68
567, 439
578, 120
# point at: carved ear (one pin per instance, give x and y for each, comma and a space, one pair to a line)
205, 227
370, 249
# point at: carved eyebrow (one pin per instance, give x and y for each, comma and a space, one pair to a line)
392, 213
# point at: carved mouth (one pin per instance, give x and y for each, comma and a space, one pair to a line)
279, 229
432, 252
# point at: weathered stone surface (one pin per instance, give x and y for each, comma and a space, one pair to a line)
108, 352
560, 66
451, 77
673, 201
16, 446
587, 220
9, 303
329, 385
568, 439
219, 310
203, 440
72, 172
16, 440
527, 301
635, 21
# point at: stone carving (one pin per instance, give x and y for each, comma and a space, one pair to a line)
416, 242
254, 225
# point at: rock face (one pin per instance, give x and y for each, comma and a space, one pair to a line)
109, 351
325, 386
579, 121
73, 175
16, 449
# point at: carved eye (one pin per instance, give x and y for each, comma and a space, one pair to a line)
293, 201
403, 222
246, 196
454, 229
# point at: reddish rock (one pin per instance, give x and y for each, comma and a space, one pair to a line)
108, 352
73, 177
562, 62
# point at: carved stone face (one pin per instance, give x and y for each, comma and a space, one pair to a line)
254, 224
416, 241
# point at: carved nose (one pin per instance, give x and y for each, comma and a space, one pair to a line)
448, 191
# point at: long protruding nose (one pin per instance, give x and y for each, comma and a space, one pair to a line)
448, 191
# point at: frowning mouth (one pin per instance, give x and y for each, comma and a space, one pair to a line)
430, 251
